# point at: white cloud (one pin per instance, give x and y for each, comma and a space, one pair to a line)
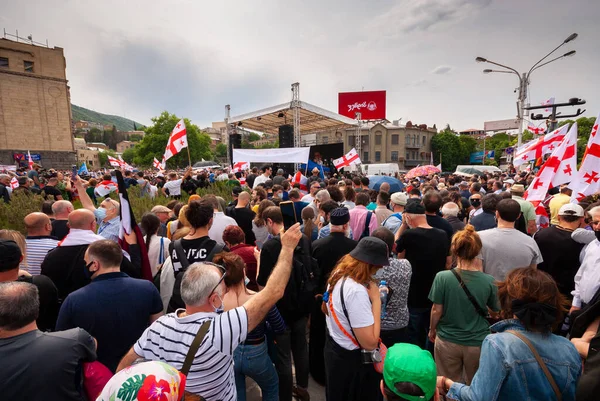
442, 70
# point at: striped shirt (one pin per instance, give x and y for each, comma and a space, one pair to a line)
37, 249
110, 229
211, 375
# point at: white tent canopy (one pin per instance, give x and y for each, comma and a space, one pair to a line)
282, 155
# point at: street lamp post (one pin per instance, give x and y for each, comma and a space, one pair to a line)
524, 78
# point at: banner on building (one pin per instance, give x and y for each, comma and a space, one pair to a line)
371, 104
476, 157
22, 157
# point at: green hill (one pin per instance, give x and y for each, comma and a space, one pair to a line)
122, 123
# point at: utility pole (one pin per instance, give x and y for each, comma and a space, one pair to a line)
553, 116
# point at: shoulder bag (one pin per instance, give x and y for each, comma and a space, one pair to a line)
189, 358
482, 312
540, 362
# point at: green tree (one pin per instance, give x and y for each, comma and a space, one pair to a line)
156, 138
221, 150
468, 145
103, 157
129, 154
449, 145
93, 135
135, 137
247, 145
252, 137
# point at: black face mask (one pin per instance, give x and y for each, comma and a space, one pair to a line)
475, 202
597, 235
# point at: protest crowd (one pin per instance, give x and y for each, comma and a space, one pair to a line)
415, 288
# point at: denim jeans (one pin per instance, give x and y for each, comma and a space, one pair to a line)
292, 342
418, 327
253, 361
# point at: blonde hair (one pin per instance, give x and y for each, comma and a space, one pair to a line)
183, 224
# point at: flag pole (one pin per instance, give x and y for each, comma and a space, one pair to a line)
189, 158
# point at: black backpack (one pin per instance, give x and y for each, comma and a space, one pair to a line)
521, 224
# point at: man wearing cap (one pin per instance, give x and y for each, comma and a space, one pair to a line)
327, 251
264, 177
279, 178
315, 177
557, 202
394, 221
10, 259
559, 250
427, 249
409, 374
527, 208
164, 214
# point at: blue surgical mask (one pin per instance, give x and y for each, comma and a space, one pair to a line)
220, 308
246, 280
100, 213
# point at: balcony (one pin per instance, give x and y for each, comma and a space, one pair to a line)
412, 146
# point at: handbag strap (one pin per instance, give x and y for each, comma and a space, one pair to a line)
189, 358
181, 254
478, 308
337, 321
540, 362
161, 255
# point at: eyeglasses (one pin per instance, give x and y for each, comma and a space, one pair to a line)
222, 268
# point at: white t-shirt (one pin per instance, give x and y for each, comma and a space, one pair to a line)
359, 309
308, 198
174, 187
169, 338
261, 179
220, 221
154, 252
475, 212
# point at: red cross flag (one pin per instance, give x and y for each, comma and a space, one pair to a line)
536, 130
548, 102
300, 179
29, 160
537, 148
537, 192
14, 183
348, 160
587, 181
157, 164
114, 162
240, 166
567, 169
177, 140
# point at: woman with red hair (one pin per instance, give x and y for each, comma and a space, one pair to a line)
235, 239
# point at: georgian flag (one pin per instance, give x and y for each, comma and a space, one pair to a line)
29, 160
240, 166
177, 141
548, 102
537, 148
158, 165
114, 162
587, 180
536, 130
537, 190
567, 170
302, 180
346, 161
14, 183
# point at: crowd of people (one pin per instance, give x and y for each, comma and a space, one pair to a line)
446, 288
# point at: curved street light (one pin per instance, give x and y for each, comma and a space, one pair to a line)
524, 78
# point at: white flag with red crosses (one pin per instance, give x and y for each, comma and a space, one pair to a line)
587, 181
177, 141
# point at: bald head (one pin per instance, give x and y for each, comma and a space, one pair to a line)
384, 187
243, 199
82, 219
37, 224
62, 209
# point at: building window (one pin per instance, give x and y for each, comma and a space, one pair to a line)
424, 140
28, 66
407, 155
366, 157
378, 156
377, 139
394, 156
365, 140
325, 139
408, 139
3, 62
395, 139
351, 140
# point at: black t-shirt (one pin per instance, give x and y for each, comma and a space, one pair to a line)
60, 229
49, 305
50, 190
442, 224
46, 366
243, 217
426, 250
561, 256
250, 180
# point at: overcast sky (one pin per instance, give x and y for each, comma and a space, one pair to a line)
136, 58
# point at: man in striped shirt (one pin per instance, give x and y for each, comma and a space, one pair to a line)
107, 214
39, 241
202, 289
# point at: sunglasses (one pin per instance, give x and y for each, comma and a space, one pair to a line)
87, 267
222, 269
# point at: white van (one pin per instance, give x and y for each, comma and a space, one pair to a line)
469, 170
381, 169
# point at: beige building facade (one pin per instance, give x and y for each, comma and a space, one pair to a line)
90, 157
124, 145
386, 143
35, 104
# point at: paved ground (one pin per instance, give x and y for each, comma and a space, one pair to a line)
317, 392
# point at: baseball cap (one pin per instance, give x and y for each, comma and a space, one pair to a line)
160, 209
10, 254
399, 198
409, 363
414, 206
371, 250
570, 209
339, 216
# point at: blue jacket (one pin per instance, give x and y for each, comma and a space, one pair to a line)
509, 371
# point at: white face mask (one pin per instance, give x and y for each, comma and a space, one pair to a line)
322, 219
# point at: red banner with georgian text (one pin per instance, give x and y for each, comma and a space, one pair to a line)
371, 104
